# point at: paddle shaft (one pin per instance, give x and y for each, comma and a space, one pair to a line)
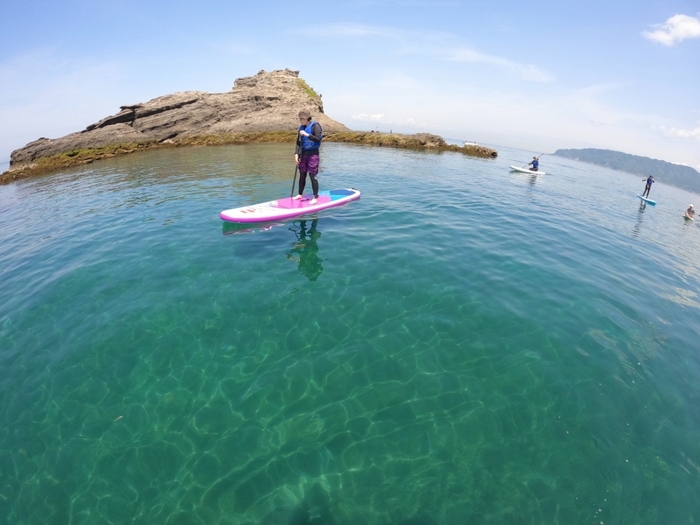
296, 168
294, 182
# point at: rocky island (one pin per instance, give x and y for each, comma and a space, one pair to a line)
260, 108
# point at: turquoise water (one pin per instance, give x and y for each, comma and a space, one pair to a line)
514, 349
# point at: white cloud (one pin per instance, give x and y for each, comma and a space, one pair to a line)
384, 120
432, 4
426, 3
680, 133
365, 116
331, 30
676, 28
527, 71
440, 46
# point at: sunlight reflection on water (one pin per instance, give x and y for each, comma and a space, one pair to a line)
463, 344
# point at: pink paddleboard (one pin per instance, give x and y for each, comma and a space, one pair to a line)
288, 207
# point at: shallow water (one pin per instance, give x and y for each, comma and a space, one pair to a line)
461, 345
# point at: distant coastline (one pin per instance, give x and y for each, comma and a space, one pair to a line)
674, 174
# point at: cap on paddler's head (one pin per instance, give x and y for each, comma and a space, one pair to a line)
304, 114
690, 206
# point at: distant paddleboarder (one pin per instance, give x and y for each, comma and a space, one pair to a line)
650, 180
690, 213
306, 154
535, 164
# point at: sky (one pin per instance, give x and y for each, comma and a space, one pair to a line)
535, 75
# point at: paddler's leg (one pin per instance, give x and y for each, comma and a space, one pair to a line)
303, 169
302, 184
314, 186
312, 165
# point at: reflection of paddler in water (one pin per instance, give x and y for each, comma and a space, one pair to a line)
640, 216
306, 250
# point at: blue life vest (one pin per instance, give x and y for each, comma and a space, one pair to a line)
650, 181
535, 164
306, 143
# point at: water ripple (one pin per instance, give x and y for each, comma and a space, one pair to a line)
461, 345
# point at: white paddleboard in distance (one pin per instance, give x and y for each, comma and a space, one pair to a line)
525, 170
289, 207
653, 203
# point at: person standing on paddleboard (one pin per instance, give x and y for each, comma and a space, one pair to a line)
535, 164
306, 154
690, 212
650, 181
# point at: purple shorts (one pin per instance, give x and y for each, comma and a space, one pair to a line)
309, 164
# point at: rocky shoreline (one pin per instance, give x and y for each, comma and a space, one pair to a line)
261, 108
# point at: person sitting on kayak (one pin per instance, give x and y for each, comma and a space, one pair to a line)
650, 180
690, 212
535, 164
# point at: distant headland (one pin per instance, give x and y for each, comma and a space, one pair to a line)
260, 108
674, 174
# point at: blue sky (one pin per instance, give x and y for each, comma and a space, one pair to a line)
539, 75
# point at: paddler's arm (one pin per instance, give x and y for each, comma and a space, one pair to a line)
314, 136
315, 133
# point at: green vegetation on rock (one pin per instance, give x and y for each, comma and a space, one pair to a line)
308, 89
78, 157
417, 141
676, 175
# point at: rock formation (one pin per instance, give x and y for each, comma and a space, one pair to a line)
263, 102
261, 108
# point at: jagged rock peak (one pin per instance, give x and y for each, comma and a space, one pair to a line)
263, 77
267, 101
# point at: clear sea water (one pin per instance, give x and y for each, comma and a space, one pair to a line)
463, 345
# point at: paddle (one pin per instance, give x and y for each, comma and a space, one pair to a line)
296, 168
294, 182
526, 165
